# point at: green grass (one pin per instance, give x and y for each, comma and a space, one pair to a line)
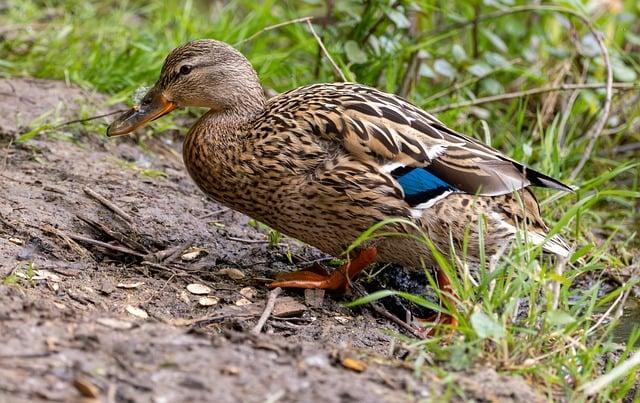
509, 321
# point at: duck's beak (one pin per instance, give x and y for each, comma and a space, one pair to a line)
153, 106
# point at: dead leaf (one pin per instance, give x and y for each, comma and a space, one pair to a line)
192, 254
208, 301
242, 301
86, 388
249, 292
233, 274
353, 364
198, 289
138, 312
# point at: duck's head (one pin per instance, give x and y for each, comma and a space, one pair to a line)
205, 73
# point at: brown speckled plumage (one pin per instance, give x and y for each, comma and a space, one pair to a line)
323, 163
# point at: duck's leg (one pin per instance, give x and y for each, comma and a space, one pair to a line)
338, 280
440, 318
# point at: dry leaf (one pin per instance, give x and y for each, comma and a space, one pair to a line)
353, 364
249, 292
86, 388
198, 289
192, 254
242, 301
233, 274
208, 301
138, 312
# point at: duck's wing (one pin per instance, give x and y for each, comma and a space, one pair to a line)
375, 125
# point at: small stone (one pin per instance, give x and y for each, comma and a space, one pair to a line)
208, 301
198, 289
138, 312
249, 292
16, 241
242, 301
233, 274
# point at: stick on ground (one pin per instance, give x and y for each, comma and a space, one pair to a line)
271, 303
109, 205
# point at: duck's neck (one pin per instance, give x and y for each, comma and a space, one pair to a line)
214, 147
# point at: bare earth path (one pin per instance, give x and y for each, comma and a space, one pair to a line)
80, 320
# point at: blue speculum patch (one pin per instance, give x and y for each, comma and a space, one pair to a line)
419, 185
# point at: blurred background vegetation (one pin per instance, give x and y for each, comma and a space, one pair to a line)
446, 56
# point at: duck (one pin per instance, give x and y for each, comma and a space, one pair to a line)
324, 162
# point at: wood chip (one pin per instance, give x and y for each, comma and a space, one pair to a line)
353, 364
232, 273
130, 285
198, 289
115, 323
86, 388
288, 306
137, 312
208, 301
249, 292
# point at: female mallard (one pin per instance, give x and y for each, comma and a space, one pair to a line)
325, 162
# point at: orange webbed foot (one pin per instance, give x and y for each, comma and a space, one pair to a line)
337, 281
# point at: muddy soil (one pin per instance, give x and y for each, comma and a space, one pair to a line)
94, 304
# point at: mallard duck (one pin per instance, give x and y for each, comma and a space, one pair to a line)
324, 162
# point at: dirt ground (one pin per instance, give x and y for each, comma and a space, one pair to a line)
94, 305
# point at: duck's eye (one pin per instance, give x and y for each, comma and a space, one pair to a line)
186, 69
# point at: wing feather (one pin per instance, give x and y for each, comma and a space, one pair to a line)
373, 124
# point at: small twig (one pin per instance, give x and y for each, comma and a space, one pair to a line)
109, 205
245, 240
88, 119
532, 91
272, 27
606, 314
326, 52
268, 309
470, 81
388, 315
212, 213
105, 245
